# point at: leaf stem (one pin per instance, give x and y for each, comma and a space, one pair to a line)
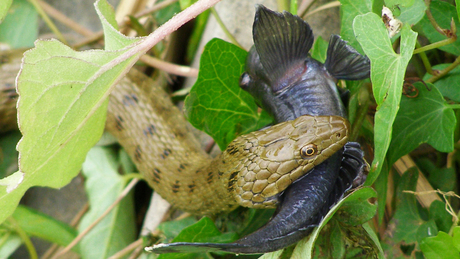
25, 238
444, 71
424, 59
224, 28
454, 106
48, 21
435, 45
433, 21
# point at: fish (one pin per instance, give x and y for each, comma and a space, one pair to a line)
287, 82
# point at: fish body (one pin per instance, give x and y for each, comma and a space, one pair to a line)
287, 83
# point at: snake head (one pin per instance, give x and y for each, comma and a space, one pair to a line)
283, 153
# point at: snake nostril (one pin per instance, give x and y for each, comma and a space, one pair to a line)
338, 135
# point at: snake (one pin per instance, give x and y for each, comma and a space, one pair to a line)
252, 171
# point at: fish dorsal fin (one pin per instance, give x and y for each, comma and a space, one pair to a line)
282, 41
344, 62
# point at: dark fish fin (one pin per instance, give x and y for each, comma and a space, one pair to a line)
344, 62
282, 41
186, 247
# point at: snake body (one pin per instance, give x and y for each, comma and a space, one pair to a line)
251, 172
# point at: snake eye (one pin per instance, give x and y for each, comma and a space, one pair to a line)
308, 151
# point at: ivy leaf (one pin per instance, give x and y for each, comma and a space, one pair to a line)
407, 223
62, 107
443, 13
349, 9
440, 246
216, 104
414, 13
423, 119
387, 76
449, 84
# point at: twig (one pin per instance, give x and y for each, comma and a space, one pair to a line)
98, 35
48, 21
56, 14
90, 227
304, 7
126, 250
169, 67
323, 7
73, 223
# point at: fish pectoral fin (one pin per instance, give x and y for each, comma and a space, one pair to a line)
344, 62
282, 41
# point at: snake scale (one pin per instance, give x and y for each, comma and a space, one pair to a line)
251, 172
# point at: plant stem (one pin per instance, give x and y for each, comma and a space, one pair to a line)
432, 20
454, 106
424, 59
444, 71
224, 28
25, 238
434, 45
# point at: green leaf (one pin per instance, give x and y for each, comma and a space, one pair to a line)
19, 29
444, 179
387, 76
349, 9
202, 231
440, 246
399, 3
103, 186
407, 223
439, 214
456, 237
449, 84
172, 228
43, 226
319, 49
356, 209
62, 106
424, 119
216, 104
4, 7
443, 13
305, 247
413, 14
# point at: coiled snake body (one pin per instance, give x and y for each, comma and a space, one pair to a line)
250, 172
